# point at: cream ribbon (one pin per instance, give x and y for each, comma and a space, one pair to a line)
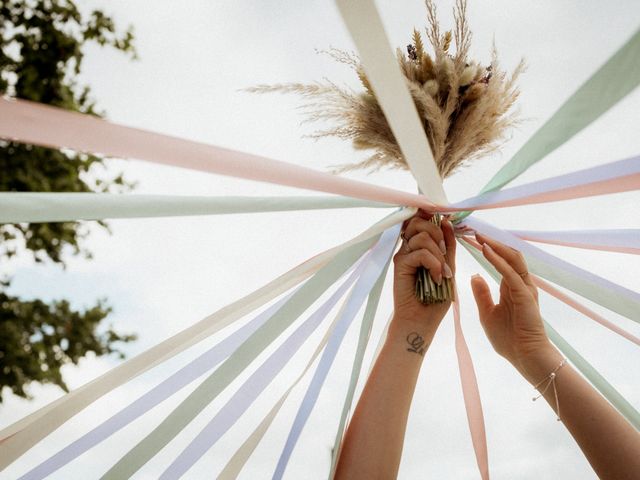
23, 434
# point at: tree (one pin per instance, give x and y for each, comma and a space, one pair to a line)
41, 53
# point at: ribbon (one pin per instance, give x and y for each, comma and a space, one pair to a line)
598, 381
471, 395
614, 177
392, 94
376, 268
550, 289
600, 290
615, 79
256, 384
23, 434
619, 76
234, 466
187, 374
620, 240
38, 124
363, 341
19, 207
208, 390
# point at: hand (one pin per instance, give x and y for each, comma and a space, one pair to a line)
514, 326
425, 245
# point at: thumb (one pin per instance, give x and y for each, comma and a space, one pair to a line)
482, 295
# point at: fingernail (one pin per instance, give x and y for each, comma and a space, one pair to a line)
488, 247
443, 247
475, 275
447, 271
438, 279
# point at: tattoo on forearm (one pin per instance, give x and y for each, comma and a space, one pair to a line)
416, 343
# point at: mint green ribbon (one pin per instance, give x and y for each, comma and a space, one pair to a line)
597, 380
619, 76
206, 392
19, 207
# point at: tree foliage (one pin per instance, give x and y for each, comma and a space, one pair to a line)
41, 54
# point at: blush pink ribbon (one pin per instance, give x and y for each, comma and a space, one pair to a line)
471, 395
626, 240
573, 303
47, 126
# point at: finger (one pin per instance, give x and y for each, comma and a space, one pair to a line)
410, 262
417, 224
450, 243
425, 240
482, 296
512, 256
513, 280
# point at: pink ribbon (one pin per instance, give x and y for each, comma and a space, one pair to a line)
471, 395
550, 289
39, 124
613, 177
620, 240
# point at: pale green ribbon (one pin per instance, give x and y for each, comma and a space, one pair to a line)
567, 275
607, 86
210, 388
19, 207
597, 380
239, 459
363, 340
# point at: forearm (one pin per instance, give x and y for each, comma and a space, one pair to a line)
373, 442
610, 443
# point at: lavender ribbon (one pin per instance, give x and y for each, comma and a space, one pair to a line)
158, 394
581, 178
255, 384
377, 266
600, 290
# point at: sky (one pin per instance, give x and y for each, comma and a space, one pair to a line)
162, 275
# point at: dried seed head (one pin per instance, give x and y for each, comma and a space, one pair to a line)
446, 41
427, 69
431, 87
467, 75
474, 93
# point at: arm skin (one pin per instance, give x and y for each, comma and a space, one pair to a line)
372, 445
515, 329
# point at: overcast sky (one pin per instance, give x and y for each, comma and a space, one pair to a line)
162, 275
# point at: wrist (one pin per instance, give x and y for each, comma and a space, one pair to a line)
401, 326
412, 337
537, 364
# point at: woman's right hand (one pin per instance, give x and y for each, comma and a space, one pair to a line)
514, 325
